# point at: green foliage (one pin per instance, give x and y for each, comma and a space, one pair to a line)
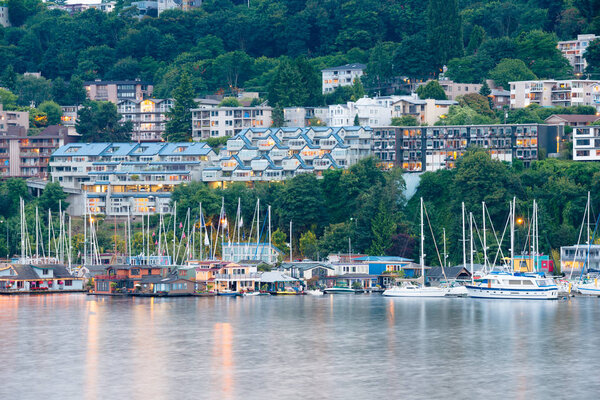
179, 126
431, 90
509, 70
477, 103
278, 117
279, 240
383, 228
405, 120
52, 110
7, 99
309, 245
485, 89
444, 31
592, 56
99, 121
295, 83
51, 197
230, 102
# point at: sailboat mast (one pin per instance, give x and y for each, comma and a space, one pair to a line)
484, 239
37, 224
269, 250
471, 242
257, 224
445, 254
464, 239
70, 245
422, 245
85, 233
512, 234
291, 241
174, 230
587, 230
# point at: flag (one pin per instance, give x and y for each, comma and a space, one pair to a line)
206, 242
183, 236
241, 222
156, 243
180, 225
153, 234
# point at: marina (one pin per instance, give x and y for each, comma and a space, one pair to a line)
364, 346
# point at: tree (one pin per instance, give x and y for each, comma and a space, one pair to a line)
179, 125
278, 117
10, 191
405, 120
539, 52
52, 110
475, 40
478, 103
335, 239
233, 68
311, 80
357, 89
509, 70
383, 228
75, 94
302, 202
7, 98
286, 88
9, 78
230, 102
99, 121
32, 89
356, 120
444, 31
592, 56
431, 90
279, 240
52, 195
485, 89
20, 10
309, 245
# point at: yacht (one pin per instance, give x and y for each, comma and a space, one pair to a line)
505, 285
410, 290
589, 288
339, 289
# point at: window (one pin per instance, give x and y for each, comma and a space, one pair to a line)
44, 272
68, 283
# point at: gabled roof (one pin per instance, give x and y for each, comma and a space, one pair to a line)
276, 276
383, 258
353, 66
450, 272
304, 265
574, 118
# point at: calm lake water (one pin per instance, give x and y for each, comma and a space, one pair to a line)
74, 346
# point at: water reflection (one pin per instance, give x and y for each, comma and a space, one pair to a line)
315, 347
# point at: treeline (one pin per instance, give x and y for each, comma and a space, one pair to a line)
278, 47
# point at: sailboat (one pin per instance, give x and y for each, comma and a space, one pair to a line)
588, 288
412, 290
511, 284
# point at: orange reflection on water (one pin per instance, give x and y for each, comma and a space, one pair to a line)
223, 359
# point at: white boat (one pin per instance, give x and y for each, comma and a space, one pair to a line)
339, 290
411, 290
590, 288
505, 285
315, 292
251, 293
456, 290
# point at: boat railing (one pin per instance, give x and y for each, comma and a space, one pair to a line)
238, 277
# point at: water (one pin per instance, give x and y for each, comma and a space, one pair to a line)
73, 346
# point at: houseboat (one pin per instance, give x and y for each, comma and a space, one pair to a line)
27, 278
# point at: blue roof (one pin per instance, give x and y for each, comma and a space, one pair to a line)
81, 149
383, 258
118, 149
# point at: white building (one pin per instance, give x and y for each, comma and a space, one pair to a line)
228, 121
276, 154
371, 112
586, 143
426, 112
548, 93
574, 51
126, 178
149, 117
301, 116
4, 21
344, 75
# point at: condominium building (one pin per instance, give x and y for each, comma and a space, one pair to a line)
302, 116
384, 146
4, 21
574, 51
586, 143
455, 89
370, 111
275, 154
13, 118
427, 112
115, 91
69, 115
149, 117
344, 75
27, 156
550, 93
126, 178
228, 121
430, 148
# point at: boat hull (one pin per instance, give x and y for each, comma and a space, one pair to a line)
419, 292
506, 293
589, 289
338, 291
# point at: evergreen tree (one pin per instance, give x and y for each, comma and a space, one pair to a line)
278, 117
358, 89
444, 32
356, 120
99, 121
179, 126
432, 90
286, 88
75, 92
9, 78
311, 81
485, 89
383, 228
475, 40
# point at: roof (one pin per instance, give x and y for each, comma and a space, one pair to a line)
450, 272
27, 272
136, 82
303, 265
574, 118
500, 92
276, 276
383, 258
353, 66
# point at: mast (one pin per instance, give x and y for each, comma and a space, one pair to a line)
49, 235
464, 239
587, 230
484, 239
70, 245
422, 245
201, 223
512, 234
257, 224
22, 209
445, 254
174, 230
269, 251
37, 224
85, 233
471, 243
291, 241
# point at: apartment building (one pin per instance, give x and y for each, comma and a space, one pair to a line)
275, 154
302, 116
427, 112
344, 75
27, 156
4, 21
370, 111
430, 148
455, 89
500, 98
126, 178
115, 91
574, 51
13, 118
149, 117
73, 8
550, 93
228, 121
69, 115
586, 143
